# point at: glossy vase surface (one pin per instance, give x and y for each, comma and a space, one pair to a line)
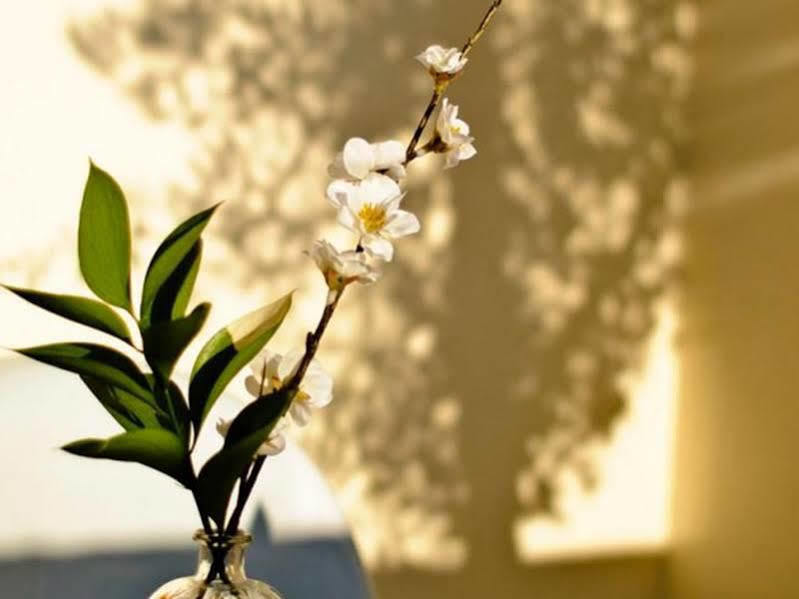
220, 572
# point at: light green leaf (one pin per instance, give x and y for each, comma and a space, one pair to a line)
249, 430
96, 361
128, 410
164, 342
104, 239
82, 310
173, 270
228, 352
156, 448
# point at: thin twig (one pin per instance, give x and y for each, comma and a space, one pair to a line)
481, 29
410, 153
312, 340
443, 84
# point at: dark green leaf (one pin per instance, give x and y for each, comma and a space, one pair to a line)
164, 342
228, 352
156, 448
249, 430
173, 270
79, 309
104, 239
128, 410
96, 361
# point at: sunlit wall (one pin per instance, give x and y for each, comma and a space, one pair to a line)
505, 396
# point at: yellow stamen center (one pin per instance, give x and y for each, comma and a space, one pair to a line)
373, 217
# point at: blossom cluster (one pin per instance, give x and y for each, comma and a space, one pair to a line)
366, 190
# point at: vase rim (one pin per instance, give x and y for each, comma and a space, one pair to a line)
241, 537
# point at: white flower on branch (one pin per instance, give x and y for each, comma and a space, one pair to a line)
342, 268
372, 210
443, 61
274, 444
360, 158
453, 139
271, 371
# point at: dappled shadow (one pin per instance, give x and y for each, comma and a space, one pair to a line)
489, 358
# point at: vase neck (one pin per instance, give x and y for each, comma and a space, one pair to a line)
227, 549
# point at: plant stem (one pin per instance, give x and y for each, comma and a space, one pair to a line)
481, 29
410, 153
443, 84
247, 481
246, 485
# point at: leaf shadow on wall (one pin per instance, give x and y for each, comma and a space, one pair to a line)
488, 358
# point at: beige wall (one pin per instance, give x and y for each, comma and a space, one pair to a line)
735, 515
478, 443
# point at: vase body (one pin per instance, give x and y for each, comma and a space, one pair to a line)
220, 573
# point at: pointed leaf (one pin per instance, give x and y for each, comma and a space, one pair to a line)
96, 361
156, 448
82, 310
220, 473
228, 352
164, 342
128, 410
172, 271
104, 239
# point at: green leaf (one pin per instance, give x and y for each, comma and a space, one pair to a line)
228, 352
181, 410
173, 270
82, 310
104, 239
156, 448
164, 342
128, 410
248, 431
96, 361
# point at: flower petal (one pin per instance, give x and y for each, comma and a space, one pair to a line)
253, 385
466, 151
318, 385
338, 191
300, 412
375, 189
348, 220
358, 157
401, 224
378, 247
388, 154
274, 445
290, 363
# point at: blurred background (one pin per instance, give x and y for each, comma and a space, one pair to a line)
577, 381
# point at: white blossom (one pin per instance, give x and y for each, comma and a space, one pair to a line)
271, 371
454, 135
443, 61
342, 268
273, 445
360, 158
371, 209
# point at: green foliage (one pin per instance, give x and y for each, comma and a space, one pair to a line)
173, 270
228, 352
104, 244
248, 431
96, 361
128, 410
150, 407
159, 449
164, 342
82, 310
